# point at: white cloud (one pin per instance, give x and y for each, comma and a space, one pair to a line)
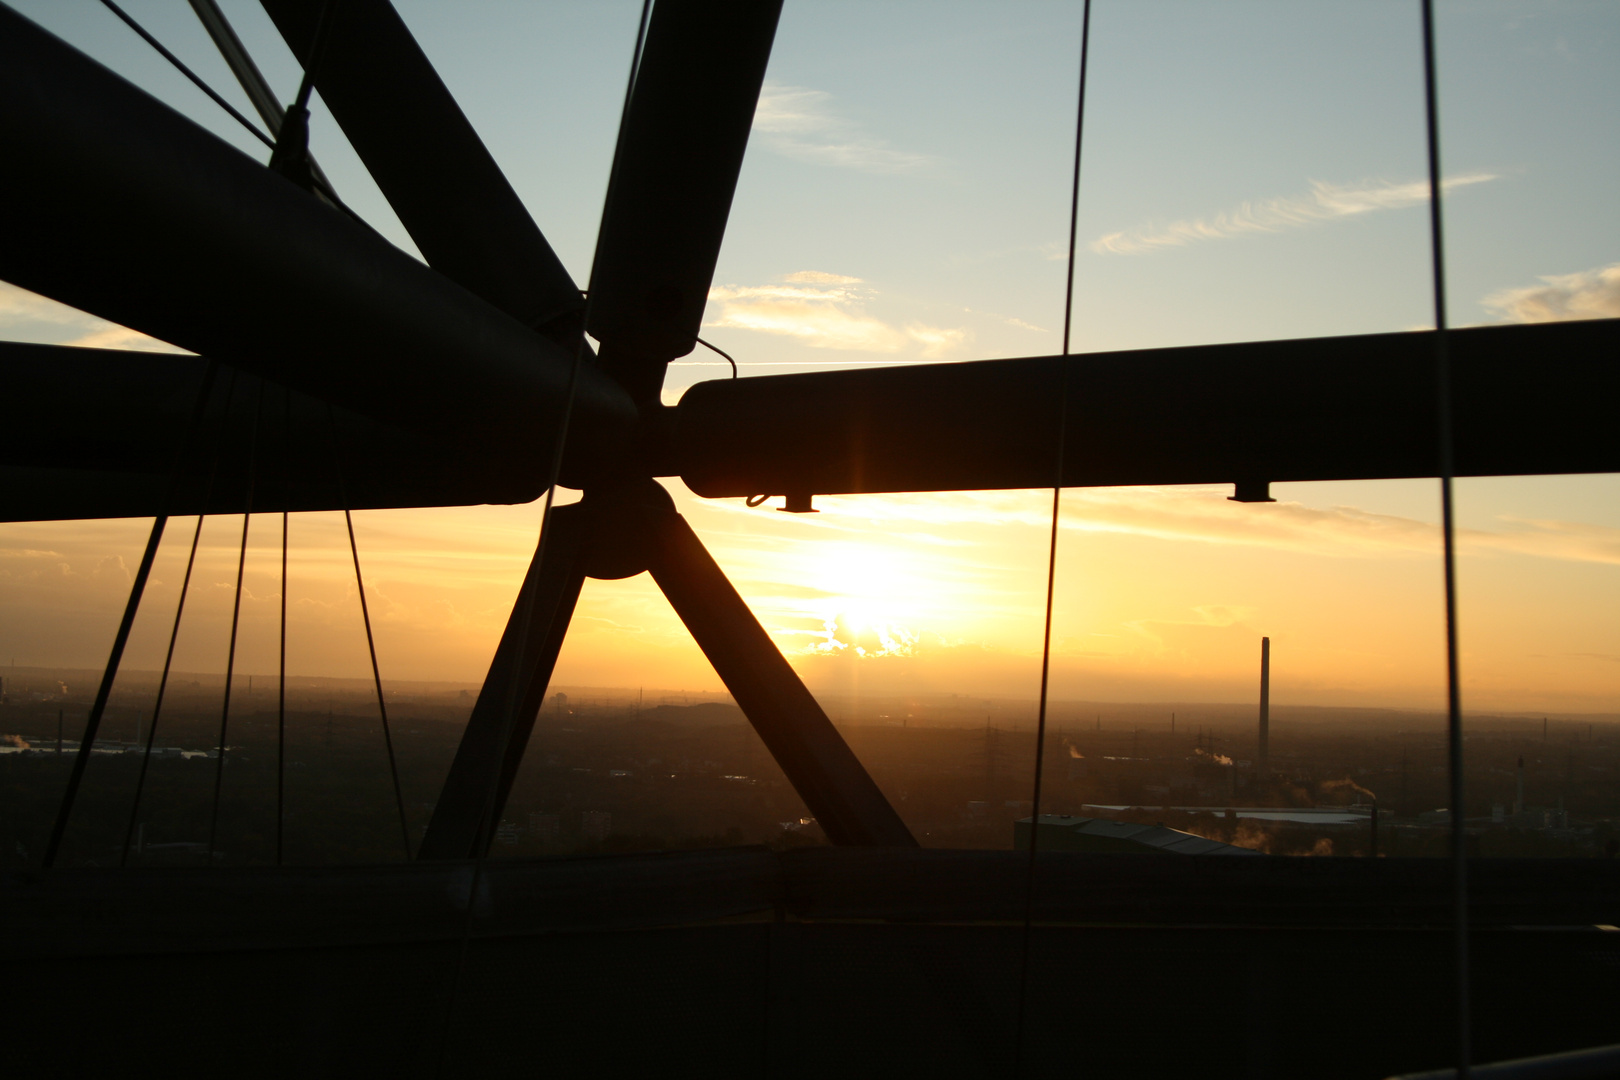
825, 311
1325, 202
1592, 294
820, 277
797, 123
937, 342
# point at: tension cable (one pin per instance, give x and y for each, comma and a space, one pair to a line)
371, 643
188, 73
1442, 378
526, 602
281, 682
1051, 555
174, 633
92, 723
236, 614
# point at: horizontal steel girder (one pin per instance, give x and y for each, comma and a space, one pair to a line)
1526, 400
102, 430
138, 215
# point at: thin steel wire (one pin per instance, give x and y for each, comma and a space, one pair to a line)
163, 685
281, 679
1051, 553
526, 616
1442, 377
92, 723
376, 678
371, 641
179, 610
236, 616
188, 73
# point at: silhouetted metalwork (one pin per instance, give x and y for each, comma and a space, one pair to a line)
453, 384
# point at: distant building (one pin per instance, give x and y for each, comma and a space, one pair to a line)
559, 702
545, 827
595, 824
507, 832
1064, 832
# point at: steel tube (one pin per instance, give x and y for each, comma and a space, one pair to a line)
1528, 399
136, 214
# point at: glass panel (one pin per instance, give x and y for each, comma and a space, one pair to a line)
1252, 172
915, 620
1541, 672
1164, 599
639, 747
1523, 92
62, 587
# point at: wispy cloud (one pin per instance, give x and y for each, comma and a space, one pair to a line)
826, 311
1206, 514
1591, 294
800, 123
1324, 202
820, 277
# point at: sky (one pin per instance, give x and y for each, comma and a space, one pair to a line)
1251, 171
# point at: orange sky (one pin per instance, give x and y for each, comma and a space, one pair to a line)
1162, 594
1274, 201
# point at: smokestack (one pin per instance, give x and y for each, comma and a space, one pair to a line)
1263, 759
1374, 851
1518, 803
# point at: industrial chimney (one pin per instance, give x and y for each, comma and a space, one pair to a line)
1263, 758
1518, 803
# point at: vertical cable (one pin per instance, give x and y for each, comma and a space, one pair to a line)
1442, 378
92, 723
526, 601
1051, 552
371, 642
376, 678
281, 680
236, 615
163, 685
179, 611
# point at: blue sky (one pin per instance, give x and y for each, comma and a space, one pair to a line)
1253, 170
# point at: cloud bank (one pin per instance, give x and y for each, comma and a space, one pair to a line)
799, 123
826, 311
1325, 202
1591, 294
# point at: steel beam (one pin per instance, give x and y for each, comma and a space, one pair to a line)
429, 162
674, 175
140, 216
497, 733
101, 429
1527, 400
812, 754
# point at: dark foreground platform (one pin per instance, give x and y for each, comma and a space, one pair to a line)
814, 963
